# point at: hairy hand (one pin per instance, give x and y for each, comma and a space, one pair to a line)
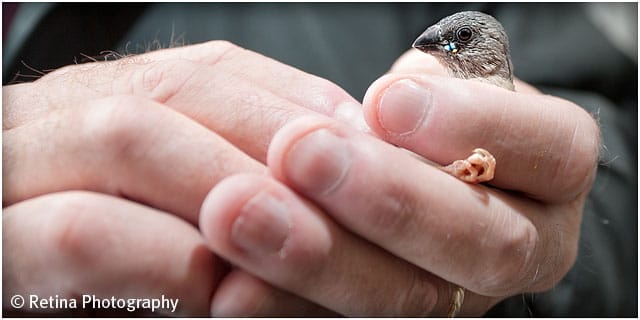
413, 233
100, 158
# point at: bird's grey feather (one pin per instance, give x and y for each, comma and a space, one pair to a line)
484, 56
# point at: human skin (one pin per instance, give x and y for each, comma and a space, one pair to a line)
519, 236
85, 145
102, 161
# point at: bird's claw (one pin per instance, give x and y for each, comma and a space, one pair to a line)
478, 167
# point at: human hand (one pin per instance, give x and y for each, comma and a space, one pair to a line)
420, 231
100, 159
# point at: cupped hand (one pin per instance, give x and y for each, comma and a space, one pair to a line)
401, 235
100, 159
179, 118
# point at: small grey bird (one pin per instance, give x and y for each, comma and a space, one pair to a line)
472, 45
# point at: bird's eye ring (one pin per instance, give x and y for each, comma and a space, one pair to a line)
464, 34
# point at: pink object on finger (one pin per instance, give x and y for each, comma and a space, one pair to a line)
479, 167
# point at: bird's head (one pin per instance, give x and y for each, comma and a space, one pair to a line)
471, 45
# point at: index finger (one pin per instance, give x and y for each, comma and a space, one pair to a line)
545, 146
218, 84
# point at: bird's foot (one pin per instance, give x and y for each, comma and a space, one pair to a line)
478, 167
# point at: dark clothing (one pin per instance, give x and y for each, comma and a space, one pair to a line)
556, 47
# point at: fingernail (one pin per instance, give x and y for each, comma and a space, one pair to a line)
318, 162
403, 107
263, 224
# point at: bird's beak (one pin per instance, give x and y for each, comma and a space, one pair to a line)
429, 40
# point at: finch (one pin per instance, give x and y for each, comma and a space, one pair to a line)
471, 45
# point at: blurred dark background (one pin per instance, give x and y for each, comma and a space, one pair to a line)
584, 52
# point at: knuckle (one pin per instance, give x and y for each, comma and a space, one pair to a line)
587, 149
214, 52
78, 234
159, 80
112, 124
510, 269
560, 256
217, 48
587, 143
393, 213
577, 169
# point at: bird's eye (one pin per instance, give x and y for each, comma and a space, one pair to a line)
464, 34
